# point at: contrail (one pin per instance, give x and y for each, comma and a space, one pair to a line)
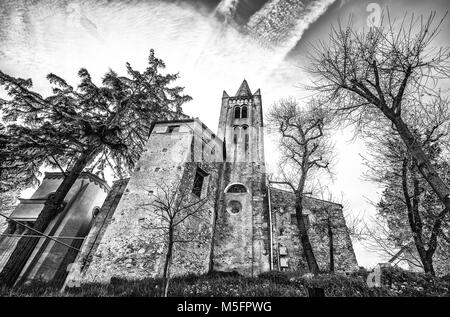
280, 24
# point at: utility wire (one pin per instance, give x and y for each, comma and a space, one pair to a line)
38, 232
37, 236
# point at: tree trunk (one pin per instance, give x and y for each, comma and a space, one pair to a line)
304, 238
428, 264
53, 205
166, 277
423, 163
414, 219
331, 245
425, 257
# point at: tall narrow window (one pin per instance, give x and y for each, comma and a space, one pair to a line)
198, 182
293, 219
237, 113
235, 138
244, 112
246, 142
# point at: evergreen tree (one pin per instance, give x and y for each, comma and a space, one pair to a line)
92, 126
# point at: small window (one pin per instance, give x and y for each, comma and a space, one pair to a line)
235, 139
293, 219
305, 220
237, 113
244, 112
234, 206
198, 182
173, 128
95, 212
157, 169
283, 250
284, 263
164, 150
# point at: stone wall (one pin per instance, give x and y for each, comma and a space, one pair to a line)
99, 226
285, 234
134, 245
241, 239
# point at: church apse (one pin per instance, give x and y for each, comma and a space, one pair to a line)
49, 260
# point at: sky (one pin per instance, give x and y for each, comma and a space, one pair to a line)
213, 45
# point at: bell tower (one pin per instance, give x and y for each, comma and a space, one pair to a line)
242, 237
241, 126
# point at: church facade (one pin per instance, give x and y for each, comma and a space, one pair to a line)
244, 225
209, 190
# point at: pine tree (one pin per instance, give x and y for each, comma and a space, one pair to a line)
91, 126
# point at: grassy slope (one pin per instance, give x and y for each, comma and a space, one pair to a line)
396, 282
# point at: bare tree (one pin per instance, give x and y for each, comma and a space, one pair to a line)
356, 225
379, 240
375, 78
176, 216
409, 205
305, 149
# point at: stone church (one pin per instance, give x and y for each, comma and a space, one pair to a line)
228, 215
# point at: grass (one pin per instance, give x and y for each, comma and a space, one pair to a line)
396, 282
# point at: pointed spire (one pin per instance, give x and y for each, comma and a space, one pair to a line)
257, 93
225, 95
244, 90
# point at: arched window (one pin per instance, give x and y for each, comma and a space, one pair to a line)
244, 112
236, 188
237, 113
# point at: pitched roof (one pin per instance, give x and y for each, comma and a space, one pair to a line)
244, 90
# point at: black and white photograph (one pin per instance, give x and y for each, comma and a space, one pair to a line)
241, 150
